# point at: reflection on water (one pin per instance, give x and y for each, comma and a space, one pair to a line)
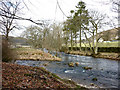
106, 71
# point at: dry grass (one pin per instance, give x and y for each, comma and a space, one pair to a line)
113, 56
34, 54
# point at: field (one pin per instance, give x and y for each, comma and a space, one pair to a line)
102, 44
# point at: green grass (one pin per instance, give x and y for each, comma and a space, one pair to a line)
109, 44
102, 44
56, 76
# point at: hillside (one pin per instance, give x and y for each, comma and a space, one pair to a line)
109, 35
16, 40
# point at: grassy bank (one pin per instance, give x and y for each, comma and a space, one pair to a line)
100, 44
24, 77
113, 56
33, 54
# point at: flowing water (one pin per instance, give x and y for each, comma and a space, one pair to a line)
104, 70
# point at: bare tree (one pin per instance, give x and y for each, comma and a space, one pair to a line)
97, 21
115, 5
54, 39
10, 10
34, 36
9, 14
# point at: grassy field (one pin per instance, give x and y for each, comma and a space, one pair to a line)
102, 44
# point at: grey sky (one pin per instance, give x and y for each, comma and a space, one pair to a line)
46, 9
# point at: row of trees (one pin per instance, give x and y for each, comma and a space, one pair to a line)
81, 23
10, 10
84, 23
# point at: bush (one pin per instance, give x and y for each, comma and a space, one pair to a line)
7, 53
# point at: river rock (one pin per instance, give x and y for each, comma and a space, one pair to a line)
71, 64
87, 68
45, 64
77, 63
94, 79
92, 84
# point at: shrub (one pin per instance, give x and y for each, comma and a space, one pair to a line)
7, 53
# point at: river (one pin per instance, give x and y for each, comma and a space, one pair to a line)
104, 70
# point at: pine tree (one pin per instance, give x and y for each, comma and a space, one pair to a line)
81, 18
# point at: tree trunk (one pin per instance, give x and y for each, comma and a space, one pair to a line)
71, 41
80, 37
76, 43
7, 32
88, 42
96, 48
93, 43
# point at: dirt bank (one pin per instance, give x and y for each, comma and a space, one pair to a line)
19, 76
112, 56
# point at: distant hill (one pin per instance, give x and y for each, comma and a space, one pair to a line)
16, 40
109, 35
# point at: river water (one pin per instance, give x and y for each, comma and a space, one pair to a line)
104, 70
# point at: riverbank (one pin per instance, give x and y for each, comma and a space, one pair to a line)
19, 76
112, 56
33, 54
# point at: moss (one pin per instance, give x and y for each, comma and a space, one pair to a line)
81, 88
54, 75
43, 68
69, 81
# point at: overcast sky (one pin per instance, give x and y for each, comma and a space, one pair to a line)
49, 10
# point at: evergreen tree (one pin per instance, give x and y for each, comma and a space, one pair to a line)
81, 18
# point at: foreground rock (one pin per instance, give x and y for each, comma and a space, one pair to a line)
24, 77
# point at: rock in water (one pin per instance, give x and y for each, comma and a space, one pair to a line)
77, 63
71, 64
94, 79
92, 84
87, 68
45, 64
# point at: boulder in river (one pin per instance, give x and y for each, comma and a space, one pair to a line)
77, 63
94, 79
71, 64
92, 84
45, 64
87, 68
